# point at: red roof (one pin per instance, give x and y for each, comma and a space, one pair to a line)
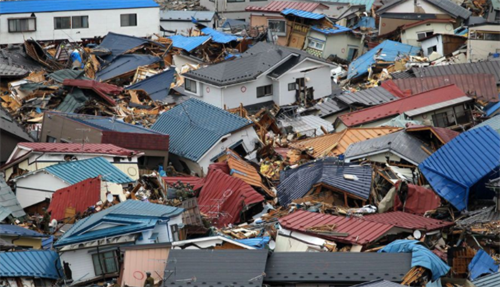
402, 105
102, 89
408, 220
110, 149
359, 231
443, 134
418, 200
79, 195
278, 6
196, 182
223, 197
407, 26
482, 86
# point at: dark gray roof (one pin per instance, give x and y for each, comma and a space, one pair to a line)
216, 268
8, 124
403, 75
369, 97
124, 64
399, 143
447, 6
253, 62
8, 202
378, 283
15, 56
330, 107
492, 67
119, 44
330, 267
488, 280
12, 71
157, 86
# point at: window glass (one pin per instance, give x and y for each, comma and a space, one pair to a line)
79, 22
22, 25
127, 20
62, 22
190, 85
278, 27
264, 91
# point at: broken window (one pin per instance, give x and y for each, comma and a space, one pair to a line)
190, 85
440, 120
62, 23
278, 27
105, 263
423, 35
316, 44
22, 25
462, 115
80, 22
431, 49
127, 20
264, 91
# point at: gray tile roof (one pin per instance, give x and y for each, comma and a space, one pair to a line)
332, 267
330, 107
398, 143
8, 202
452, 8
216, 268
369, 97
492, 67
8, 124
12, 71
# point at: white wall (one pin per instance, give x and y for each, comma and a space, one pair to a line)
80, 262
246, 93
420, 6
434, 41
409, 36
163, 230
100, 23
480, 49
35, 188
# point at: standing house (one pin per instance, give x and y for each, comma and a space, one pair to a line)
402, 12
412, 33
75, 20
180, 22
264, 73
91, 248
483, 40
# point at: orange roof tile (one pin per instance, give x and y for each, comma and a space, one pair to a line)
245, 171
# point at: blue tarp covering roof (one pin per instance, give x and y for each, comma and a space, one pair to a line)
33, 263
13, 7
338, 29
482, 264
188, 43
491, 108
458, 165
157, 86
124, 64
421, 256
390, 50
302, 14
257, 242
219, 37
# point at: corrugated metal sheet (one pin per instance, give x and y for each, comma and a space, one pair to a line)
278, 6
188, 43
80, 196
302, 14
418, 200
73, 101
157, 86
64, 74
194, 181
101, 89
125, 64
308, 125
443, 134
330, 107
369, 97
219, 37
438, 106
360, 232
194, 120
330, 31
482, 264
243, 170
223, 198
402, 105
390, 51
8, 202
379, 283
408, 221
486, 67
75, 171
118, 44
493, 123
92, 148
399, 143
296, 183
31, 264
462, 162
14, 230
451, 8
75, 5
337, 143
488, 281
481, 86
139, 261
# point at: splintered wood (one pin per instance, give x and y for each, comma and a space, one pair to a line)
415, 274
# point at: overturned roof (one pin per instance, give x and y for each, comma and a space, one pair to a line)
8, 202
124, 64
188, 43
408, 221
278, 6
444, 135
157, 86
90, 148
101, 89
118, 44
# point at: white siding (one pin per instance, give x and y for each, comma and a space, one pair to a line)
434, 41
35, 188
81, 264
100, 23
418, 6
246, 93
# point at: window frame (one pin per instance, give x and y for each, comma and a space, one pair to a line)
265, 94
82, 17
283, 33
315, 43
236, 1
191, 85
128, 14
101, 258
294, 86
55, 24
425, 34
19, 19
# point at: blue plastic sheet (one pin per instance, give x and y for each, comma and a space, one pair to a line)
482, 264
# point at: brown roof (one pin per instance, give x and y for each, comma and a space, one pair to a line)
278, 6
443, 134
337, 143
408, 221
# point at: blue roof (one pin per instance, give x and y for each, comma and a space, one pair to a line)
493, 122
257, 242
108, 124
338, 29
368, 22
14, 230
157, 86
458, 165
421, 256
188, 43
219, 37
482, 264
195, 126
488, 280
13, 7
33, 263
130, 216
124, 64
75, 171
390, 51
295, 183
492, 108
302, 14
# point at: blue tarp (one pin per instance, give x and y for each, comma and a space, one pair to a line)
157, 86
421, 256
482, 264
389, 51
188, 43
302, 14
367, 22
219, 37
257, 242
338, 29
458, 165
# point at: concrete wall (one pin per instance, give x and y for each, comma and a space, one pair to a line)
35, 188
63, 128
100, 23
480, 49
409, 36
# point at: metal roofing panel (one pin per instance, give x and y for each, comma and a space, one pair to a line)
9, 125
13, 7
79, 196
278, 6
31, 264
118, 44
188, 43
308, 125
378, 283
486, 67
302, 14
223, 198
107, 123
157, 86
438, 106
124, 64
14, 230
451, 8
360, 232
8, 201
493, 122
64, 74
368, 97
332, 267
173, 15
193, 120
243, 170
73, 101
482, 264
330, 107
408, 221
488, 281
219, 37
330, 31
442, 134
101, 89
418, 200
402, 105
217, 268
75, 171
109, 149
462, 162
